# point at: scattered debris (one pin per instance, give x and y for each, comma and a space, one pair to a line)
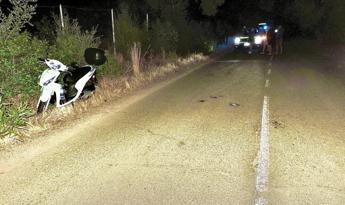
202, 101
214, 97
234, 105
278, 125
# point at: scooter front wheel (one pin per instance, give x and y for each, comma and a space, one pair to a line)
41, 107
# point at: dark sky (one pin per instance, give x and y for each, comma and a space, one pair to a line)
79, 3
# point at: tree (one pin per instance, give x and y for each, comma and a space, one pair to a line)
19, 15
210, 7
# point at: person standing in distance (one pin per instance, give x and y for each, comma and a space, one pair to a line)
271, 40
279, 40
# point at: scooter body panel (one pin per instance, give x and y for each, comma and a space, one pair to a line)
48, 76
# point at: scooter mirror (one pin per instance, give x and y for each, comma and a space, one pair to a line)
95, 56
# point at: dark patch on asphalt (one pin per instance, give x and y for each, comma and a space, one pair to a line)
234, 105
214, 97
181, 143
278, 125
202, 101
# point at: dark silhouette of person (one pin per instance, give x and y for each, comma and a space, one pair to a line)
271, 38
279, 40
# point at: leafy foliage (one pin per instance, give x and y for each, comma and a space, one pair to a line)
110, 68
128, 32
164, 37
71, 41
19, 67
18, 17
210, 6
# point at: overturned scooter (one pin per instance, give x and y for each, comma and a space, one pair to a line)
76, 83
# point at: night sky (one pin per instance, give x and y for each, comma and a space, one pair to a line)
230, 17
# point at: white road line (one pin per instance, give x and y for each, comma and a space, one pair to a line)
263, 164
267, 83
269, 71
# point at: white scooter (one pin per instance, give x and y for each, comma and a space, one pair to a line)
78, 82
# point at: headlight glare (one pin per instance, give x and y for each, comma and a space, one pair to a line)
237, 40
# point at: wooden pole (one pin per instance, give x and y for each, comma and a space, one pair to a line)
113, 27
61, 17
147, 22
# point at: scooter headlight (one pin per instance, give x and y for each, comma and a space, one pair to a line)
48, 81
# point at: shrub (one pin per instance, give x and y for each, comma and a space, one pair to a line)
127, 33
111, 67
45, 29
71, 41
164, 37
20, 14
19, 67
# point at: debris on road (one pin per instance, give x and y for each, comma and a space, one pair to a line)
278, 125
234, 105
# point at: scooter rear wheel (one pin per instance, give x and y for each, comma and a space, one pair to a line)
41, 107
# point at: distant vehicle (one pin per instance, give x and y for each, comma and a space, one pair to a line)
261, 34
255, 41
242, 42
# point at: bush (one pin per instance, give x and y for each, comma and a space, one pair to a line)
127, 33
164, 37
71, 41
18, 16
45, 29
19, 67
111, 67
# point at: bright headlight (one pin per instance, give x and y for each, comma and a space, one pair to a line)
258, 40
237, 40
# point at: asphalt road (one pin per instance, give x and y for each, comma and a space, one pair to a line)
197, 140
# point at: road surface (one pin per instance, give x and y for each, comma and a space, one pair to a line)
231, 132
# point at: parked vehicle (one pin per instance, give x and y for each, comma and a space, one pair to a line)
241, 42
261, 34
63, 85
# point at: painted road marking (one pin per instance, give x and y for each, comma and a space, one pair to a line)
263, 164
267, 83
269, 71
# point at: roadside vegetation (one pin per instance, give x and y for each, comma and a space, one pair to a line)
141, 55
